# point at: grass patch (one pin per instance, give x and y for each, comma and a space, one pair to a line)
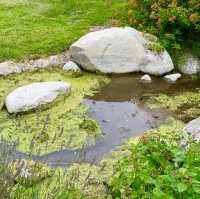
63, 124
30, 29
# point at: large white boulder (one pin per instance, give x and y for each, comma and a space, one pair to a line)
119, 50
33, 95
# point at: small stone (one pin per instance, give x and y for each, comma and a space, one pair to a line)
146, 78
172, 78
71, 67
105, 121
46, 62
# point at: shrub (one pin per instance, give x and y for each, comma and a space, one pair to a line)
175, 22
158, 168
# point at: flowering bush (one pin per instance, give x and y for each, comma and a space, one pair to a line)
175, 22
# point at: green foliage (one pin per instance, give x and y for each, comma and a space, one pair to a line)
158, 168
175, 22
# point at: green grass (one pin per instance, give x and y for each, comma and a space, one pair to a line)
34, 28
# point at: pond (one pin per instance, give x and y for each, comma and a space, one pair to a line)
120, 110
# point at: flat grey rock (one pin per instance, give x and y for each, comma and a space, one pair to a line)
119, 50
56, 60
190, 65
193, 129
7, 68
71, 67
172, 78
33, 95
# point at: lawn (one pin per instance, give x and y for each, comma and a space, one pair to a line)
35, 28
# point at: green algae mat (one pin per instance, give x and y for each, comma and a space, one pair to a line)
63, 124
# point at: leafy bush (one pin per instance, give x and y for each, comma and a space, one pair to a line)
175, 22
158, 168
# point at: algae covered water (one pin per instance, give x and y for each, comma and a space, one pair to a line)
120, 110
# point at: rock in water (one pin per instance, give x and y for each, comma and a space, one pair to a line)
71, 67
172, 78
33, 95
146, 78
193, 129
189, 65
119, 50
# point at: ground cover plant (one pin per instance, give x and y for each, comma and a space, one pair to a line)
159, 167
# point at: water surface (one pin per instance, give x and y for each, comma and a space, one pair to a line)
120, 111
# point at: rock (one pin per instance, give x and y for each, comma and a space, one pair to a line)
173, 77
193, 129
7, 68
146, 78
71, 67
33, 95
119, 50
189, 64
56, 60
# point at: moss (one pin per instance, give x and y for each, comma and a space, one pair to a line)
152, 43
57, 126
185, 105
89, 125
181, 59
